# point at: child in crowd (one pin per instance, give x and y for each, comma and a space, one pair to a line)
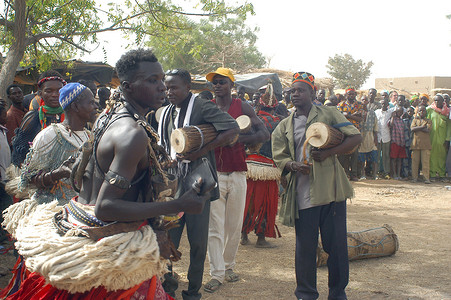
368, 147
407, 118
398, 142
421, 144
383, 115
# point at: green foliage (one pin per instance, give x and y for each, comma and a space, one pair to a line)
210, 43
347, 71
54, 29
58, 29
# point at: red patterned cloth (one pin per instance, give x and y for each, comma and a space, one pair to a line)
20, 273
35, 288
261, 202
397, 132
443, 111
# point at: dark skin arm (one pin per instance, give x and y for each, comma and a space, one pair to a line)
46, 180
259, 134
128, 145
425, 128
321, 154
222, 139
357, 116
390, 123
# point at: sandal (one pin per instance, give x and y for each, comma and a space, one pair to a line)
231, 276
212, 286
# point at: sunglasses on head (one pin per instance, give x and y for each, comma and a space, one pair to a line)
220, 81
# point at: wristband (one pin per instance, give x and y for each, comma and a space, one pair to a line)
51, 177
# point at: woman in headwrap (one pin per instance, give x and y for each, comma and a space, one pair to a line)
424, 99
414, 101
440, 135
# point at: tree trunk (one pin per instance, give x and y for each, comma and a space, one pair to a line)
17, 49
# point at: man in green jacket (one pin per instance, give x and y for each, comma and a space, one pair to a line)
316, 194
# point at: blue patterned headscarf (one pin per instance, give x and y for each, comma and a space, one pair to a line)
70, 92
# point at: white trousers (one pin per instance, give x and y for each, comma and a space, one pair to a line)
226, 221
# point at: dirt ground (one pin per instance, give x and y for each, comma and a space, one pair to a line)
419, 214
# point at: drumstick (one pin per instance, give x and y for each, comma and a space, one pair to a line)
305, 147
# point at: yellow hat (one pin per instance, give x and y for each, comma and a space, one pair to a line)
226, 72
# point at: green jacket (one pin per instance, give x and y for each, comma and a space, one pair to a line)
328, 181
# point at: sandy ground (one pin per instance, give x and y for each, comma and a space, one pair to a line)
419, 214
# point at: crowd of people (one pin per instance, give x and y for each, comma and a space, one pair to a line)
88, 176
399, 135
402, 138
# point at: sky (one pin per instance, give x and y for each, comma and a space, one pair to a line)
403, 38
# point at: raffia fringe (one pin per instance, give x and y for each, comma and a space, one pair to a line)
15, 214
260, 171
78, 264
12, 186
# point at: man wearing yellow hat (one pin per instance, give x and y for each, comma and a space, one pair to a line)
226, 214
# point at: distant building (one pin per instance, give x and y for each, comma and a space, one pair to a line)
414, 85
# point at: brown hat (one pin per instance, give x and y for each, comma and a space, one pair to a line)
226, 72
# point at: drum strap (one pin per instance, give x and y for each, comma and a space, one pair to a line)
341, 124
201, 137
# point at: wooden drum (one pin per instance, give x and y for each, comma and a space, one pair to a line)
323, 136
375, 242
245, 124
192, 138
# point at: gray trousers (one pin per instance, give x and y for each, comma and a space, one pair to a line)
383, 155
197, 233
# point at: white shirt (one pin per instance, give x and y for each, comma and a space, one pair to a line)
383, 117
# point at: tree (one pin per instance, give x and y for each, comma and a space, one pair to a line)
42, 30
205, 45
347, 71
